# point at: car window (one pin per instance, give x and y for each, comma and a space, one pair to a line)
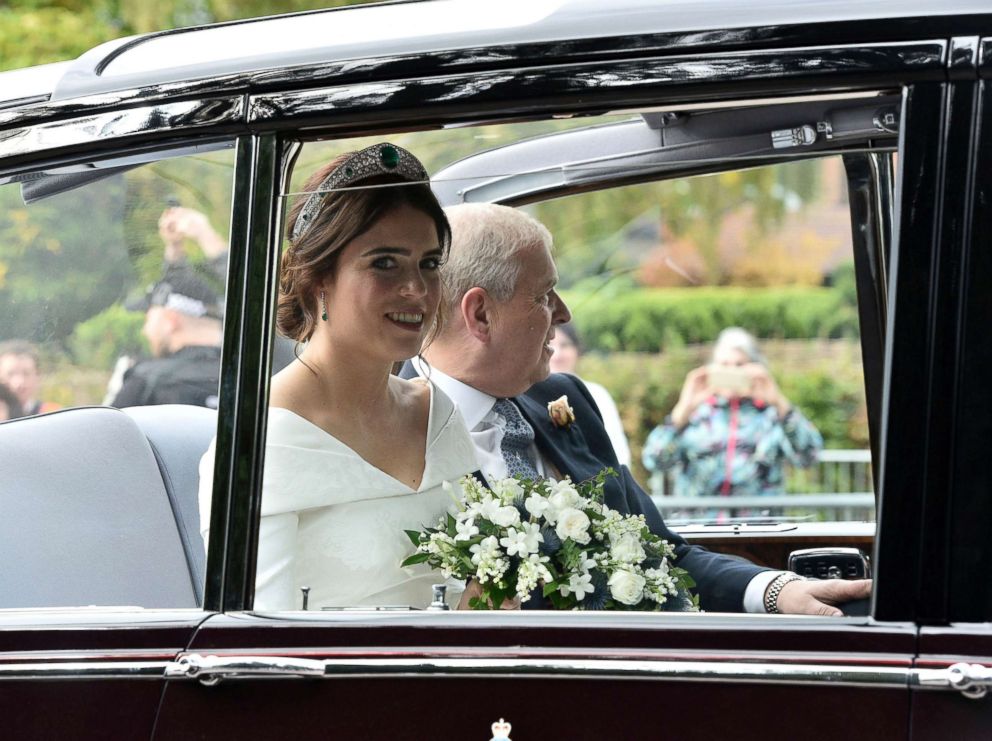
656, 269
112, 282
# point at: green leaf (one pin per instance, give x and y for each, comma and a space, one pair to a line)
415, 559
550, 589
413, 535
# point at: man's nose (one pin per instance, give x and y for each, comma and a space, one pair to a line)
561, 314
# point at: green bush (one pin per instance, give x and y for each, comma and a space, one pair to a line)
653, 320
101, 339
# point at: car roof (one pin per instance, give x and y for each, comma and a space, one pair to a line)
416, 27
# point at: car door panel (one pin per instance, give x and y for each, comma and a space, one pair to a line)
935, 711
385, 676
87, 674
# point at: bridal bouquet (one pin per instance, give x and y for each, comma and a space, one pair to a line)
560, 536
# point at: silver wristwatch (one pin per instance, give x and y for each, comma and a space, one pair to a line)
771, 594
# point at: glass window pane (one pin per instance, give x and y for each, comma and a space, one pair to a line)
112, 280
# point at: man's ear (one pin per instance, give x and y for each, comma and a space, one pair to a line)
477, 313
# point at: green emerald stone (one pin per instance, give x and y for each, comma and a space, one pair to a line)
389, 156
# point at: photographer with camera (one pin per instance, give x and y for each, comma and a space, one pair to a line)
732, 430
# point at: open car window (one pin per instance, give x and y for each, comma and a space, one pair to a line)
671, 227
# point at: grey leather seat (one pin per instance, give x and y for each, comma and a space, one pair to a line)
85, 516
179, 436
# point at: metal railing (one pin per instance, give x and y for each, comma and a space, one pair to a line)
838, 488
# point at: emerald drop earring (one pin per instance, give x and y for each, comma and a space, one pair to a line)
323, 307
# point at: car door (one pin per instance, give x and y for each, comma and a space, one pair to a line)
102, 582
450, 675
955, 649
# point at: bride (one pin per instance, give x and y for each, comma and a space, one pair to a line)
355, 455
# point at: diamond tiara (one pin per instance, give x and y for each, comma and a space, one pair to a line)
379, 159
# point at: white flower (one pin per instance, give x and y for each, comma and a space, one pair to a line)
536, 504
578, 584
563, 494
485, 508
485, 548
466, 529
586, 563
574, 524
530, 573
627, 549
522, 542
506, 516
506, 490
626, 586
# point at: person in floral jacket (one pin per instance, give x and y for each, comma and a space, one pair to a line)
732, 430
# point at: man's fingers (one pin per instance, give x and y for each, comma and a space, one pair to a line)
833, 591
826, 610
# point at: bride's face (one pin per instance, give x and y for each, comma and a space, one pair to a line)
383, 296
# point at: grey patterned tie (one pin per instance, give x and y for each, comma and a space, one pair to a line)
517, 438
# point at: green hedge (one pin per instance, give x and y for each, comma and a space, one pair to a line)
101, 339
655, 319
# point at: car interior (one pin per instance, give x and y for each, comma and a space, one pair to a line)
133, 474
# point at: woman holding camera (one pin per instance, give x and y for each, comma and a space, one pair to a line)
732, 430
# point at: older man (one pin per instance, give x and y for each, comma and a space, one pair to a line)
183, 325
492, 359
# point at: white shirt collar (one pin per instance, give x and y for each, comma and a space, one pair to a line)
472, 403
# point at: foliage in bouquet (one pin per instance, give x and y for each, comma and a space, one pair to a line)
521, 535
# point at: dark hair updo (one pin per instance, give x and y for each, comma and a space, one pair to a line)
343, 216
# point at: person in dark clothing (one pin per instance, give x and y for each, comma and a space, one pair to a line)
10, 406
183, 325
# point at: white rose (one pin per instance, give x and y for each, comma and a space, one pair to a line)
506, 490
536, 504
563, 495
627, 548
574, 524
506, 516
626, 586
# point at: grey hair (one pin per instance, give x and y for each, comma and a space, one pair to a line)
485, 238
735, 338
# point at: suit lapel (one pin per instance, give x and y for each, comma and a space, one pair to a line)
565, 448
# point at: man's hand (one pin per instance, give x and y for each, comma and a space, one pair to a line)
178, 223
695, 390
819, 597
474, 589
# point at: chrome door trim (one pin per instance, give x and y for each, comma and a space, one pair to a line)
646, 80
210, 669
84, 670
172, 118
971, 680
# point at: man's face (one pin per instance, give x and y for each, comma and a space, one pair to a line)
524, 325
20, 374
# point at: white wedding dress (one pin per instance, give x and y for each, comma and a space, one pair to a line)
333, 522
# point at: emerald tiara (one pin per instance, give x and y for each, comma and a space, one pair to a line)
379, 159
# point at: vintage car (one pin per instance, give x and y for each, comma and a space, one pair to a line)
114, 620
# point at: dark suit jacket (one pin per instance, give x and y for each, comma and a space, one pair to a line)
584, 449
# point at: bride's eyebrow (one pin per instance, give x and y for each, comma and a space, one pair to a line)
375, 251
386, 251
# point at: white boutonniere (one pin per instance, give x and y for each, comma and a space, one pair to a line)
562, 415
